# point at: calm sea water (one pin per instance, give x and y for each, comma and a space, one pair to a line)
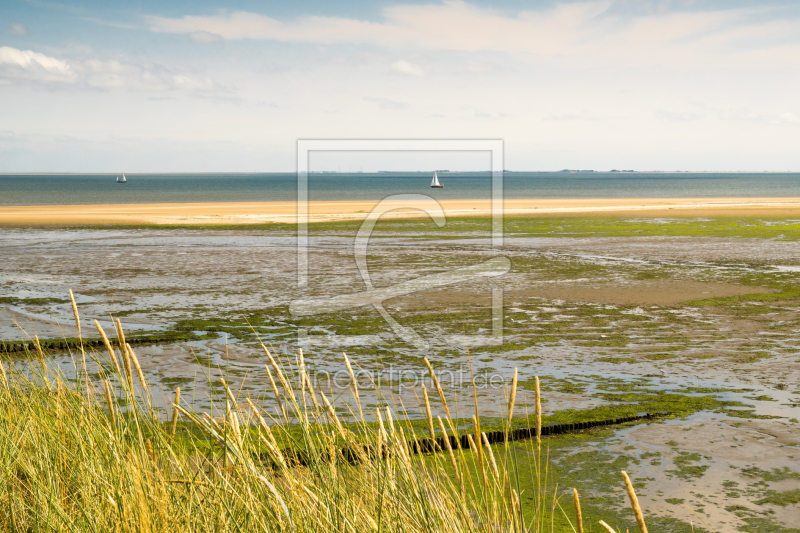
154, 188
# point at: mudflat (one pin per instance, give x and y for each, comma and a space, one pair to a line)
230, 213
695, 317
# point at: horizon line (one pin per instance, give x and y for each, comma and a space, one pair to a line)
560, 171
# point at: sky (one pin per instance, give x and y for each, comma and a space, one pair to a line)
179, 86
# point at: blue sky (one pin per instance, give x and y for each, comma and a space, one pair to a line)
200, 86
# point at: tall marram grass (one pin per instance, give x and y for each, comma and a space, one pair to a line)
92, 455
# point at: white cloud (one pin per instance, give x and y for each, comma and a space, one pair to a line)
789, 118
205, 37
112, 74
586, 32
679, 116
17, 28
565, 116
29, 65
385, 103
404, 67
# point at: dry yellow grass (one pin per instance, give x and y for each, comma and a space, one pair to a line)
578, 514
637, 511
74, 459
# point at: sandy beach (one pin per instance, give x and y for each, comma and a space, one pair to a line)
286, 212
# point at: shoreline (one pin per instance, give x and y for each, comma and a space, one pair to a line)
242, 213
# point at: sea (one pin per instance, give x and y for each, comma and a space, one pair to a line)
70, 189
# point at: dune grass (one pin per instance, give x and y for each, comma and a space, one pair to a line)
94, 455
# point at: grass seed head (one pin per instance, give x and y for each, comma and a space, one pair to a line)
512, 396
135, 362
578, 514
276, 392
109, 401
75, 312
637, 511
175, 412
490, 453
608, 528
429, 413
438, 386
109, 348
448, 447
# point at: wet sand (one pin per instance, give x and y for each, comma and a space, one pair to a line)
286, 212
729, 453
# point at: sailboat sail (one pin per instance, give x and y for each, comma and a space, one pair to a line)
435, 182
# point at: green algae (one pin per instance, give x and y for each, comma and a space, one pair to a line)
685, 467
8, 300
783, 499
774, 475
759, 227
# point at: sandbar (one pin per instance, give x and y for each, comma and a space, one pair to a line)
234, 213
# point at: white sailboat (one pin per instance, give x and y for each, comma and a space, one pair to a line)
122, 179
435, 182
